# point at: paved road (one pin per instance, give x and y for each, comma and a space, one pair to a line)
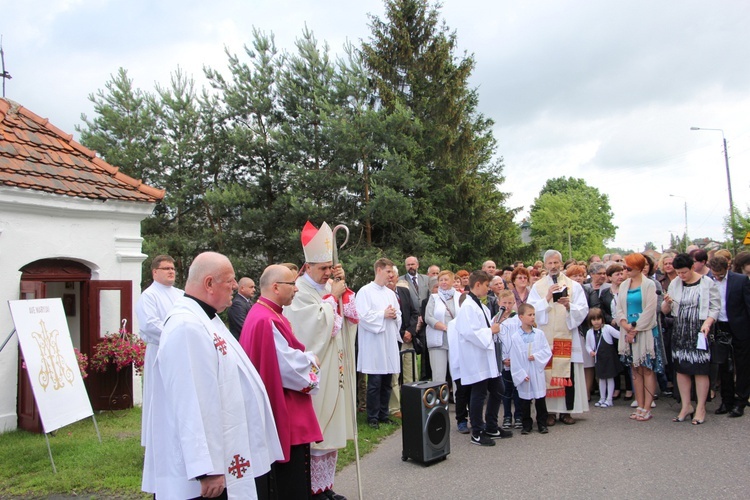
603, 455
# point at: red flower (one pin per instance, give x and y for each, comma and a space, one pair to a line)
121, 349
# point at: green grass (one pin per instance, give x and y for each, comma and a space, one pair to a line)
368, 439
111, 469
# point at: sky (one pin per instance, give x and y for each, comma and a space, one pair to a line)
606, 91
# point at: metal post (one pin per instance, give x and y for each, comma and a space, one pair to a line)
49, 450
729, 184
731, 203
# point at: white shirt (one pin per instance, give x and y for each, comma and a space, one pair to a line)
723, 294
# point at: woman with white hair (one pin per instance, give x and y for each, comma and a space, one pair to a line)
442, 307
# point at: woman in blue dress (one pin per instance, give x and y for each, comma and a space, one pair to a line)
639, 344
694, 302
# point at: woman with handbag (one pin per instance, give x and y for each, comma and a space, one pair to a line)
442, 307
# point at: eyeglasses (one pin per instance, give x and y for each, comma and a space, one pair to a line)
165, 268
286, 283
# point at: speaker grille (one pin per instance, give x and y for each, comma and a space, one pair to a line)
426, 422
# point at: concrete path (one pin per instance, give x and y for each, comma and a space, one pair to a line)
603, 455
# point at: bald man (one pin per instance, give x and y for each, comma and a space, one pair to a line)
241, 304
212, 432
290, 375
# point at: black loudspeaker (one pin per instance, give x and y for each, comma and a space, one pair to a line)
425, 422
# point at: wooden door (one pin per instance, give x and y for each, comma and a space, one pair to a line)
26, 409
107, 304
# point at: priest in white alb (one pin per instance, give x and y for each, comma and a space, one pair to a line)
561, 306
212, 427
324, 329
151, 309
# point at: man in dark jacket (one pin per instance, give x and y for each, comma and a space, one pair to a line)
732, 329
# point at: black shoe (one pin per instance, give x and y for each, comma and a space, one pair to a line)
737, 411
543, 430
332, 495
722, 410
374, 424
387, 421
482, 440
524, 432
499, 434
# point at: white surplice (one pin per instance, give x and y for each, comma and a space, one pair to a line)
151, 310
476, 345
378, 338
521, 367
211, 414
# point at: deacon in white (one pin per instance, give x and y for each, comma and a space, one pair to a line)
212, 425
378, 340
560, 320
151, 309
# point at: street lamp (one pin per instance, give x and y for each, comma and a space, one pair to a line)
729, 184
686, 224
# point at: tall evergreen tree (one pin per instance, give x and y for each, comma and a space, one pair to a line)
123, 130
411, 55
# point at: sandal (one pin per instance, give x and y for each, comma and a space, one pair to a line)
636, 414
644, 416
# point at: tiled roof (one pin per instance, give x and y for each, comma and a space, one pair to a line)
34, 154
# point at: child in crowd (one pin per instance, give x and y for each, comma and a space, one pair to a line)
529, 354
509, 323
600, 344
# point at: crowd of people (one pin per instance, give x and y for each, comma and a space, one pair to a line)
260, 409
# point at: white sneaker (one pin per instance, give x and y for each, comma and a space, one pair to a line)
653, 404
599, 403
634, 404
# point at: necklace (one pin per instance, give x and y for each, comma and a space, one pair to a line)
270, 309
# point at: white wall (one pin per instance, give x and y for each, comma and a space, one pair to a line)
104, 235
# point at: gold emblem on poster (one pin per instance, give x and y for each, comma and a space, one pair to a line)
54, 369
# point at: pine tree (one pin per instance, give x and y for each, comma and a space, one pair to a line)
456, 199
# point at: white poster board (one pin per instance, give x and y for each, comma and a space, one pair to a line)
51, 362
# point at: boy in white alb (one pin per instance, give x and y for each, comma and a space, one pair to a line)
529, 354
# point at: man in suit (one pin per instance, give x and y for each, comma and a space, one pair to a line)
408, 330
733, 325
241, 303
418, 283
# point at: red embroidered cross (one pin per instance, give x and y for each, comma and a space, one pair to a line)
238, 466
220, 344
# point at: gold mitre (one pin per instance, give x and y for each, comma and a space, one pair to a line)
317, 243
